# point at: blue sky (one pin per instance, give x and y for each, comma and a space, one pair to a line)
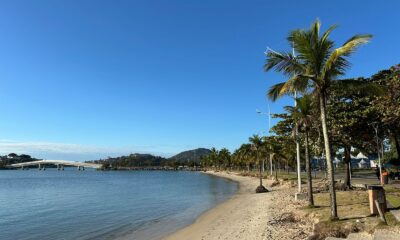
88, 79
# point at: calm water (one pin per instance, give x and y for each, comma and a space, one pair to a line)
74, 204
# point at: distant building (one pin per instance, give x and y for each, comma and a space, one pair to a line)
374, 163
363, 164
318, 163
360, 161
336, 162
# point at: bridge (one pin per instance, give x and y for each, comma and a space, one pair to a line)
59, 163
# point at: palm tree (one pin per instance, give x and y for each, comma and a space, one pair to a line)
245, 155
319, 64
302, 115
224, 157
257, 147
277, 150
213, 157
272, 150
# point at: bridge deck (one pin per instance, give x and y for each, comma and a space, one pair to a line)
57, 162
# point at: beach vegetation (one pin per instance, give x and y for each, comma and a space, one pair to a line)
317, 65
302, 115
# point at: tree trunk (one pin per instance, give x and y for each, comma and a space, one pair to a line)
260, 173
287, 167
270, 163
347, 162
298, 159
329, 163
308, 167
263, 165
397, 144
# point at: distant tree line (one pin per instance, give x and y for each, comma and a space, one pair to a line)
142, 161
13, 158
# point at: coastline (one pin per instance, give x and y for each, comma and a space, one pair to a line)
247, 215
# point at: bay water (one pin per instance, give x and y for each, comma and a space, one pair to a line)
93, 204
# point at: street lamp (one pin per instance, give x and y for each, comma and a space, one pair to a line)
375, 126
269, 117
269, 129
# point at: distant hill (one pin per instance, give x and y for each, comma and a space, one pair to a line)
133, 160
144, 160
191, 155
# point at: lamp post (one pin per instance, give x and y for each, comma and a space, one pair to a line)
375, 126
296, 133
296, 139
269, 117
269, 128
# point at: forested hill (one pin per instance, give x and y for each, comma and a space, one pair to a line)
133, 160
146, 160
191, 155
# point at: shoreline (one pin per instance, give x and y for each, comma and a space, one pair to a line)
168, 226
247, 215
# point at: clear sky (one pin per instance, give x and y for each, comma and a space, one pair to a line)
87, 79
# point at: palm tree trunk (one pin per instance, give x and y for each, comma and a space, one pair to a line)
260, 173
287, 167
308, 168
329, 163
270, 163
263, 165
347, 162
298, 159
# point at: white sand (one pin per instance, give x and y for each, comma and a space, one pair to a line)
248, 215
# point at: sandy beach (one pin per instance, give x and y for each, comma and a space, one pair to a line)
248, 215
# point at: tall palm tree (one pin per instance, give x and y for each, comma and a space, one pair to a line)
205, 161
272, 149
245, 155
317, 64
258, 147
302, 115
213, 157
224, 157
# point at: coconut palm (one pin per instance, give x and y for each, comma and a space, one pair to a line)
317, 65
302, 115
277, 150
224, 157
272, 149
245, 155
213, 157
258, 147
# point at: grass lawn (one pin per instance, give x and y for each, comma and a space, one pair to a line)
353, 208
284, 175
392, 195
351, 205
